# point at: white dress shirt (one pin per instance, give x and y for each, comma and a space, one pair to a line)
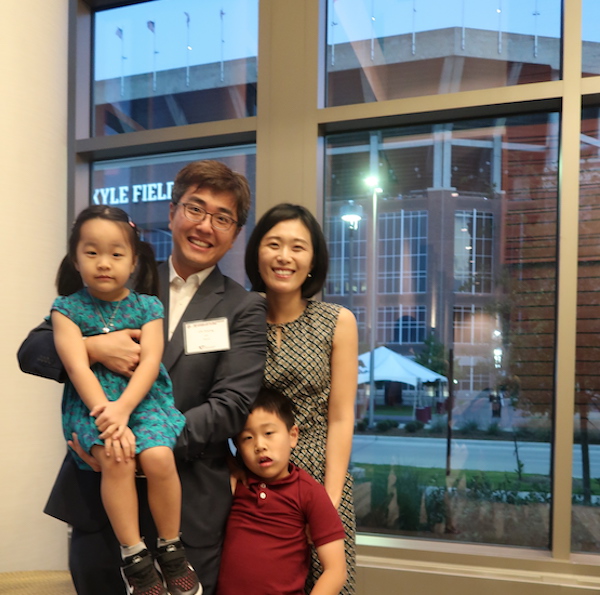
181, 293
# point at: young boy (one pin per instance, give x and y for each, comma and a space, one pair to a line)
266, 549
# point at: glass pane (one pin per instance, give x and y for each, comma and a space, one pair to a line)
174, 62
142, 187
389, 49
585, 534
460, 295
590, 36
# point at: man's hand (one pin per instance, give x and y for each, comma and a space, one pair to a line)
86, 456
118, 351
121, 450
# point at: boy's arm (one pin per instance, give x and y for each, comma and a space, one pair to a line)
333, 560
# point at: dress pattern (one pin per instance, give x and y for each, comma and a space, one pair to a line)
300, 368
155, 421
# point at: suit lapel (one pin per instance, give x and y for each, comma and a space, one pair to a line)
208, 295
164, 295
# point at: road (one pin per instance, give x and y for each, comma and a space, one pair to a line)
484, 455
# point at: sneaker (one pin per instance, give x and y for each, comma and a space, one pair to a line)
141, 577
177, 571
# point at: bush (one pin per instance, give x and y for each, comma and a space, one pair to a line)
385, 424
438, 426
493, 429
414, 426
435, 505
524, 433
469, 427
361, 425
409, 494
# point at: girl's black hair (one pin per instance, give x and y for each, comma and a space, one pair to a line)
145, 279
275, 215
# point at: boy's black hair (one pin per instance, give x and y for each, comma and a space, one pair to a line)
274, 402
68, 279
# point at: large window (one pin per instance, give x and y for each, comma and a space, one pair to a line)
590, 38
403, 252
468, 270
174, 62
473, 251
388, 49
453, 268
586, 448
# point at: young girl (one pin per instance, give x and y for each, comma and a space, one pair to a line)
116, 418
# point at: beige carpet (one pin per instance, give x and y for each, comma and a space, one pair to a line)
36, 583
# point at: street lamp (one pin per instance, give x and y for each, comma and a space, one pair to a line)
373, 183
351, 214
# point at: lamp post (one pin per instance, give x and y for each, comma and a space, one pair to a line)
351, 214
373, 183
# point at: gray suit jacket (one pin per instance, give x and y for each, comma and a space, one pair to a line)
213, 390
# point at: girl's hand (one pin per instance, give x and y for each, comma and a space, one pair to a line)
111, 419
122, 449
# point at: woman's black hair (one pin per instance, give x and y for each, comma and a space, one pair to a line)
68, 279
275, 215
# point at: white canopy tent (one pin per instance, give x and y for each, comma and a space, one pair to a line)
392, 366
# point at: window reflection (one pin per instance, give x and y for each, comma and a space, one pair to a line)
142, 187
466, 269
585, 533
590, 37
388, 49
174, 62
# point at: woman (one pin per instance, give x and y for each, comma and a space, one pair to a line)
312, 354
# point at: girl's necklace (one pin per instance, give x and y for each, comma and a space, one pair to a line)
107, 326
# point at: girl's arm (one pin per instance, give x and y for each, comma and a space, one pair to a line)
340, 415
333, 560
112, 417
73, 355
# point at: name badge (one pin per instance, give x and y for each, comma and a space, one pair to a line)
205, 336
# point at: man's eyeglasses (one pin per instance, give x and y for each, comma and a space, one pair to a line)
197, 214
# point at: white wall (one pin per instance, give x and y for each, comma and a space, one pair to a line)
33, 160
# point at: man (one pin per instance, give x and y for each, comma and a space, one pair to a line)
215, 344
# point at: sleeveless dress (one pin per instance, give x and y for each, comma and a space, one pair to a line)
155, 421
300, 368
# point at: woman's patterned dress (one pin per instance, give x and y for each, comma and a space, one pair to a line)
300, 368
